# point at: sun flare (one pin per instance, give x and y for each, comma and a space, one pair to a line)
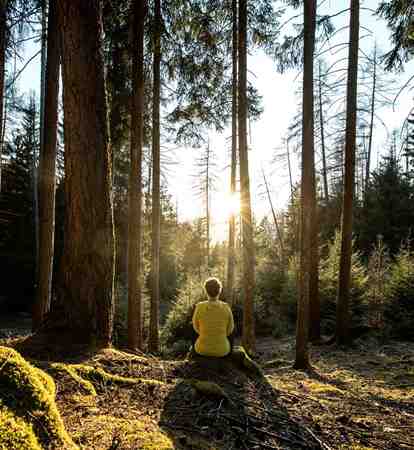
227, 204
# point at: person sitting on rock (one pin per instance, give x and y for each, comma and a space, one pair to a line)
213, 321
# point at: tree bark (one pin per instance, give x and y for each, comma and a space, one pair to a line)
47, 169
87, 270
2, 75
307, 190
248, 338
138, 12
155, 260
342, 313
231, 262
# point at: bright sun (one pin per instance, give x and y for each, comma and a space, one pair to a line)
226, 204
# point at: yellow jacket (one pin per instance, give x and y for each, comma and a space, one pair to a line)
213, 321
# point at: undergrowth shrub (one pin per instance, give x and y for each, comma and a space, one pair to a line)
399, 306
178, 333
328, 287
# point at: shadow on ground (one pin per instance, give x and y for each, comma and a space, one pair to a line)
240, 412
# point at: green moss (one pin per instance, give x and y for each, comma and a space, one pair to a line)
133, 433
29, 394
15, 433
69, 370
98, 375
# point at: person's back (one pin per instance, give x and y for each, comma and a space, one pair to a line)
213, 321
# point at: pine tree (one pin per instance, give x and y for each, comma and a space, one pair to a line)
86, 279
138, 12
307, 191
248, 337
47, 169
156, 210
342, 318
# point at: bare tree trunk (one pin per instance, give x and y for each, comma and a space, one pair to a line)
208, 206
87, 270
155, 261
2, 75
342, 313
138, 11
47, 169
371, 123
307, 190
248, 338
279, 234
322, 126
289, 168
231, 262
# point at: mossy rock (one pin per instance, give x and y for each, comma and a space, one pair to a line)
27, 393
15, 433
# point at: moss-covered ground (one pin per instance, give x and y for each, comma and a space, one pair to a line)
358, 399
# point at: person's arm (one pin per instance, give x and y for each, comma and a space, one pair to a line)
196, 321
230, 325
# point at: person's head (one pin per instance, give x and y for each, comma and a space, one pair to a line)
213, 287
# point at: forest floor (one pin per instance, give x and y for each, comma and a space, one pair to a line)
360, 399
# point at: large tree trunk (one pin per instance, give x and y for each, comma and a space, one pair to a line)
2, 74
87, 270
231, 262
342, 313
156, 213
138, 11
47, 167
307, 190
248, 338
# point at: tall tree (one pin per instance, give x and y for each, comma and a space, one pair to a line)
231, 263
342, 313
47, 168
156, 210
248, 338
2, 73
138, 12
307, 189
87, 268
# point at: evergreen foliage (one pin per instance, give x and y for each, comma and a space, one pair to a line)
399, 306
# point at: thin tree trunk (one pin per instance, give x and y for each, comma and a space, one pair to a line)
314, 300
279, 234
342, 313
87, 270
322, 126
371, 123
248, 338
47, 169
231, 263
289, 168
138, 11
208, 206
307, 190
2, 75
155, 260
